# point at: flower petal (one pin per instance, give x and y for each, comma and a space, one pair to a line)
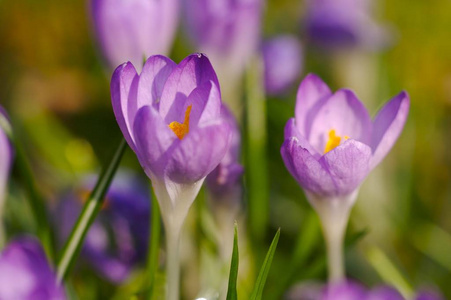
154, 140
199, 153
306, 169
291, 130
345, 114
311, 93
387, 126
124, 85
348, 165
192, 72
206, 104
153, 78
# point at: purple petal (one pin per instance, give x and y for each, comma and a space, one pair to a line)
348, 165
345, 114
154, 139
306, 169
124, 85
291, 130
199, 153
388, 125
192, 72
311, 94
206, 105
283, 63
25, 272
384, 293
152, 79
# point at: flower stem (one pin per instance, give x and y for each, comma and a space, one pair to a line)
334, 215
88, 214
154, 245
173, 262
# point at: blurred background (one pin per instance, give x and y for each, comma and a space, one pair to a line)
55, 86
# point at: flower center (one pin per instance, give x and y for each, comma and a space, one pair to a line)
334, 141
182, 129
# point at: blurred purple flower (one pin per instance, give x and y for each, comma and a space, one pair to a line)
227, 30
117, 241
283, 61
332, 144
25, 273
132, 30
343, 23
347, 290
224, 180
6, 157
384, 292
429, 294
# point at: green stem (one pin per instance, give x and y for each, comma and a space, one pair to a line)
35, 199
154, 245
88, 214
257, 171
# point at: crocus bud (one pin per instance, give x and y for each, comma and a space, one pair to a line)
228, 31
330, 147
26, 274
283, 63
132, 30
224, 181
338, 24
125, 214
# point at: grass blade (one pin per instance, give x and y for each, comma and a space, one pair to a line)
88, 214
257, 293
231, 290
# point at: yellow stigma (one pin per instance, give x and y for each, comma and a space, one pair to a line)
333, 141
182, 129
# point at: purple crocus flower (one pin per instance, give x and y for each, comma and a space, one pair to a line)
384, 292
117, 241
331, 146
343, 24
348, 290
131, 30
227, 30
170, 116
429, 294
26, 274
223, 182
283, 62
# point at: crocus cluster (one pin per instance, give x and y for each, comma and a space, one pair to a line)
125, 214
26, 274
338, 24
283, 62
351, 290
132, 30
330, 147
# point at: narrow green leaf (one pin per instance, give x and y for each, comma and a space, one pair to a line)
88, 214
231, 291
257, 293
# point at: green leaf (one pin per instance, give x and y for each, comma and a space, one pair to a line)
231, 291
257, 293
88, 214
